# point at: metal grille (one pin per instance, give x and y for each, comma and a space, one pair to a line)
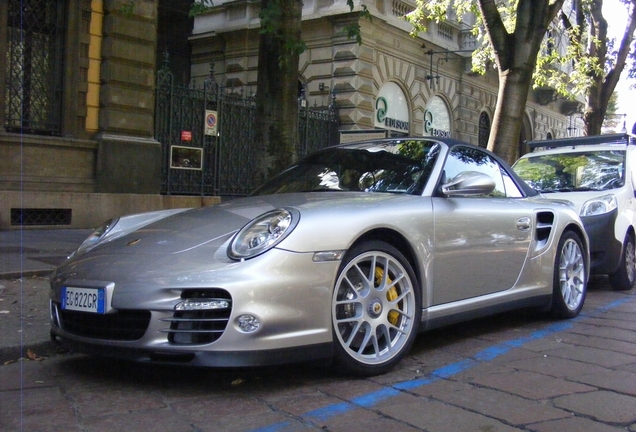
30, 216
200, 326
125, 325
33, 91
318, 127
234, 151
224, 168
181, 109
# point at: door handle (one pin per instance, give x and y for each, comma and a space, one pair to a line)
523, 224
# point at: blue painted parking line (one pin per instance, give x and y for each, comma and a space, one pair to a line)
373, 398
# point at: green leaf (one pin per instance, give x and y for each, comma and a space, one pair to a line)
200, 6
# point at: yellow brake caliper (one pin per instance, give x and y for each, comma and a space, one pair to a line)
391, 294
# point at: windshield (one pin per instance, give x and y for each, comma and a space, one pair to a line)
394, 166
565, 172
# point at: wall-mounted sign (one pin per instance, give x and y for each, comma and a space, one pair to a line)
186, 157
211, 121
186, 135
391, 109
437, 118
361, 135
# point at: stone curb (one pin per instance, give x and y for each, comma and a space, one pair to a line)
25, 274
41, 349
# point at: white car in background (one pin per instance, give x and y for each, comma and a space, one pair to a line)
598, 175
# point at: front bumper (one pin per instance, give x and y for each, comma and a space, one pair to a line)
200, 358
288, 293
605, 249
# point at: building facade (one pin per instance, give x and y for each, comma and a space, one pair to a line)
78, 105
391, 82
77, 144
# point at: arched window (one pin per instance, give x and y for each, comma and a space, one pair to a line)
484, 129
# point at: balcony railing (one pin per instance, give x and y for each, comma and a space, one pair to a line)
400, 9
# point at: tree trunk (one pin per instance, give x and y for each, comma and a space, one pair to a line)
516, 57
604, 84
593, 120
276, 125
514, 86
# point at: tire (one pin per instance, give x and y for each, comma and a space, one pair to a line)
624, 277
376, 309
570, 277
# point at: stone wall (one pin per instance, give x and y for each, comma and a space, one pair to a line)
89, 210
111, 166
128, 157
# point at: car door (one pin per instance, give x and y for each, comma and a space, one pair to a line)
480, 242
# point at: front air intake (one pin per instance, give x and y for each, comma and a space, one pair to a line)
204, 323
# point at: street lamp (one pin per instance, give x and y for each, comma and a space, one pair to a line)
624, 130
572, 129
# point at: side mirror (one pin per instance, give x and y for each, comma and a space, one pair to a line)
469, 183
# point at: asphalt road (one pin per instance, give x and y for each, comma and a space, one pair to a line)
517, 371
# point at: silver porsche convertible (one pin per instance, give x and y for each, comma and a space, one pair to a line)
346, 255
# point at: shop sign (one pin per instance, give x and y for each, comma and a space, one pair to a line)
361, 135
437, 118
391, 109
186, 135
430, 130
381, 109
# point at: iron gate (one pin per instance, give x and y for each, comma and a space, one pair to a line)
194, 163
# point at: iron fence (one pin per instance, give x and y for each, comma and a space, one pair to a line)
218, 163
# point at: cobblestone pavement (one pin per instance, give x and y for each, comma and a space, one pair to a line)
517, 371
24, 317
27, 257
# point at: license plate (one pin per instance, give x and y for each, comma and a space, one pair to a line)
84, 299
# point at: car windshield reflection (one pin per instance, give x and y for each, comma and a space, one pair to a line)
573, 172
392, 166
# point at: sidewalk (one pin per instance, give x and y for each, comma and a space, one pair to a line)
26, 253
27, 258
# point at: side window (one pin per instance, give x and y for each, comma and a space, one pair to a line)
463, 159
512, 190
630, 167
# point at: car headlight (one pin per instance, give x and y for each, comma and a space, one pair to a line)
96, 236
263, 233
599, 205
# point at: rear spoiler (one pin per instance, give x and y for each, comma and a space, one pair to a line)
621, 138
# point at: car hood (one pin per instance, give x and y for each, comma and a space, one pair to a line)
578, 198
213, 226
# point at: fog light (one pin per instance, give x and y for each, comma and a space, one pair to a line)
248, 323
202, 304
